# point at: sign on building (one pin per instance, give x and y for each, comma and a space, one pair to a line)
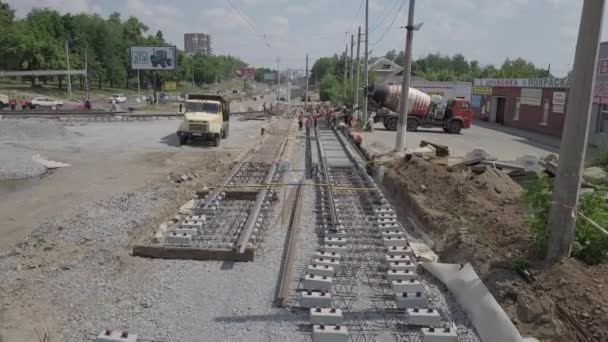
269, 76
531, 96
482, 90
559, 101
523, 82
245, 73
600, 93
475, 100
153, 57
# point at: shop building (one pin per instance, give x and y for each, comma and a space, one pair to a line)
531, 104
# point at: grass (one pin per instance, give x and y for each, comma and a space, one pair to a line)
590, 244
600, 157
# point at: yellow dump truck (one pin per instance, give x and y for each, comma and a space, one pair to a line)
206, 117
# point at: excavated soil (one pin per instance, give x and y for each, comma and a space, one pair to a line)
478, 218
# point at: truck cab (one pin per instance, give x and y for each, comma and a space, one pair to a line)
458, 110
206, 117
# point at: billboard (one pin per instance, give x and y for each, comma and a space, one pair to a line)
153, 57
170, 86
269, 76
245, 73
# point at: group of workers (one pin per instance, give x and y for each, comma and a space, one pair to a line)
12, 102
309, 116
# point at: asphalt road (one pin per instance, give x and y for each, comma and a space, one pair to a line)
502, 145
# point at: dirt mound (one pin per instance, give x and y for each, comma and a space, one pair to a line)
478, 218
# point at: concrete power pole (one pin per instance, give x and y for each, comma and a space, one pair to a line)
278, 81
67, 57
357, 77
352, 44
366, 61
345, 64
566, 189
306, 89
405, 84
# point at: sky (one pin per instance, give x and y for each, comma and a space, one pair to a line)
259, 31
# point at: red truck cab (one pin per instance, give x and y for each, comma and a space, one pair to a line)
460, 110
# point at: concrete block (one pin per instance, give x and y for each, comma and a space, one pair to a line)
334, 248
331, 255
393, 275
335, 233
386, 215
315, 299
412, 285
319, 270
191, 224
191, 231
386, 220
116, 336
326, 316
315, 282
411, 300
201, 218
426, 317
383, 208
338, 241
403, 265
398, 257
444, 334
400, 250
329, 333
394, 241
178, 239
329, 262
393, 233
393, 225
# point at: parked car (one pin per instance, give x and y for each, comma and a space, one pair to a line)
120, 98
42, 101
3, 101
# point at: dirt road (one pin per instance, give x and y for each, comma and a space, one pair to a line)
105, 157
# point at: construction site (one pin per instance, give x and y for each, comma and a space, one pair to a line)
154, 194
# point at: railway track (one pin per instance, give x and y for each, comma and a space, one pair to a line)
364, 283
228, 222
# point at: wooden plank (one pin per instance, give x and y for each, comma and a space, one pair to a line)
501, 165
467, 162
193, 253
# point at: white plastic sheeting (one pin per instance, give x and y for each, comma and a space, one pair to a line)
490, 321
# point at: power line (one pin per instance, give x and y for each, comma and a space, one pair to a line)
263, 35
390, 25
390, 9
356, 15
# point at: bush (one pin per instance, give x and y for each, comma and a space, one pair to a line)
590, 245
600, 157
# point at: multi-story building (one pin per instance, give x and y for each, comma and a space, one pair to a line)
197, 43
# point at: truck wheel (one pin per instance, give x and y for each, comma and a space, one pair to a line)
391, 124
455, 127
412, 125
216, 141
224, 135
183, 140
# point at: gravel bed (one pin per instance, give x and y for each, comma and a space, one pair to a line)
16, 163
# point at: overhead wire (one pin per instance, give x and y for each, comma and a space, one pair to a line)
352, 28
390, 25
244, 17
389, 9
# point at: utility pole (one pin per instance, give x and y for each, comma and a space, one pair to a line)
366, 61
405, 84
352, 44
345, 64
306, 91
566, 189
356, 90
67, 57
86, 70
278, 81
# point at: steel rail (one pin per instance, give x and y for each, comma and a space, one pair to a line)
243, 239
332, 207
290, 250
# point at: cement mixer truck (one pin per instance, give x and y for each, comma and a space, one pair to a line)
423, 110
